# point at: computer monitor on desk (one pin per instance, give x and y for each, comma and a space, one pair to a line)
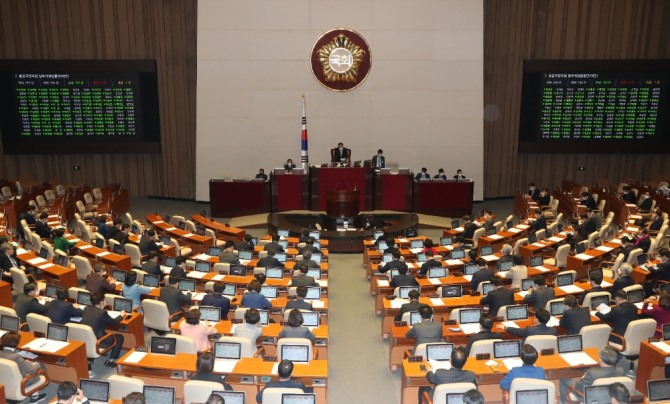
297, 398
536, 261
163, 345
151, 281
123, 304
187, 285
245, 255
506, 349
403, 291
9, 323
469, 316
452, 291
295, 353
517, 312
274, 272
57, 332
658, 390
313, 293
202, 266
270, 292
210, 313
569, 343
158, 394
227, 350
84, 298
437, 272
597, 394
533, 396
96, 391
231, 397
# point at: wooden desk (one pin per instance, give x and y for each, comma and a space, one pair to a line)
67, 364
574, 263
444, 198
650, 366
6, 294
289, 191
238, 198
199, 244
168, 250
224, 231
131, 329
3, 398
62, 276
394, 191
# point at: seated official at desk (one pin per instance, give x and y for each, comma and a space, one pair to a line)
151, 265
587, 200
413, 304
300, 303
528, 370
42, 226
173, 297
378, 160
619, 394
659, 312
540, 294
123, 235
340, 154
253, 297
606, 368
59, 310
191, 327
431, 262
228, 255
116, 227
540, 222
485, 325
68, 393
484, 274
440, 175
395, 263
595, 281
542, 317
658, 272
456, 374
294, 328
429, 245
574, 318
624, 279
533, 192
620, 316
300, 277
133, 290
518, 272
459, 175
289, 166
628, 195
98, 281
307, 260
103, 229
261, 175
469, 228
423, 175
10, 341
244, 244
427, 330
7, 261
217, 299
273, 245
61, 243
545, 198
204, 365
179, 269
309, 246
498, 297
27, 303
251, 328
269, 260
403, 279
655, 221
96, 317
284, 370
148, 242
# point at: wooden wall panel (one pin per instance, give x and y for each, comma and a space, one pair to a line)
515, 30
164, 30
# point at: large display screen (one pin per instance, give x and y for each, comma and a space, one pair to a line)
79, 106
590, 106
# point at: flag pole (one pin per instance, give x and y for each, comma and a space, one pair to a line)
304, 156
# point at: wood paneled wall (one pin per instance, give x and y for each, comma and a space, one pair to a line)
164, 30
515, 30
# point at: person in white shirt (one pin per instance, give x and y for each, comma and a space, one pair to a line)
518, 272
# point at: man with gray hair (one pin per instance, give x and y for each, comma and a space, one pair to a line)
307, 260
606, 368
506, 250
624, 279
7, 261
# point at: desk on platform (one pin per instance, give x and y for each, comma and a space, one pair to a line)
226, 232
445, 198
238, 198
394, 191
289, 191
324, 179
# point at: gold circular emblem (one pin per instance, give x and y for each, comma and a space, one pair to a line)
341, 59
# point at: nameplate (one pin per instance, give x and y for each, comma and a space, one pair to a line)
401, 323
435, 296
390, 297
284, 323
417, 358
449, 322
482, 356
549, 351
270, 358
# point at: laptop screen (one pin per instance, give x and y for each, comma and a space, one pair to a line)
165, 240
457, 253
123, 304
416, 244
202, 266
210, 313
486, 288
317, 257
548, 232
281, 257
313, 293
559, 228
316, 235
439, 352
455, 224
95, 390
666, 331
597, 394
310, 319
635, 295
57, 332
119, 275
491, 231
134, 229
229, 289
200, 231
557, 308
579, 248
452, 291
505, 349
84, 298
536, 261
170, 262
238, 270
227, 350
532, 238
470, 269
187, 285
61, 260
594, 271
564, 279
527, 283
446, 241
437, 272
532, 397
100, 243
403, 291
117, 249
270, 292
231, 397
181, 225
414, 317
486, 250
382, 245
163, 345
9, 323
659, 390
265, 317
44, 253
377, 234
158, 394
151, 281
292, 398
469, 316
282, 233
214, 251
245, 254
314, 273
274, 273
387, 257
509, 224
598, 300
455, 398
254, 241
517, 312
569, 343
642, 259
283, 244
51, 291
505, 265
421, 257
295, 353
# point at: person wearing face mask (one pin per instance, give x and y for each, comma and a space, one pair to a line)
289, 166
378, 160
533, 192
340, 154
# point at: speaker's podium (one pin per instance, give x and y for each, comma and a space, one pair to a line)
326, 179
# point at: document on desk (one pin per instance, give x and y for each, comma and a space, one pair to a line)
403, 240
245, 262
605, 284
495, 236
102, 254
202, 257
188, 235
514, 230
25, 354
135, 357
468, 277
509, 324
45, 266
195, 274
603, 308
114, 313
416, 250
20, 251
578, 359
553, 322
454, 262
224, 365
85, 247
583, 256
171, 228
395, 303
489, 258
218, 277
511, 363
320, 304
523, 293
274, 368
604, 248
459, 229
522, 226
470, 328
436, 301
569, 289
323, 283
74, 240
435, 364
542, 269
538, 244
158, 222
555, 239
46, 345
632, 229
662, 346
434, 281
166, 270
383, 283
615, 241
36, 261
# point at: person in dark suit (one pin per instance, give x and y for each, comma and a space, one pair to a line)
294, 328
624, 279
10, 343
378, 160
300, 277
540, 294
228, 255
27, 303
261, 175
628, 195
587, 200
402, 279
574, 317
423, 175
42, 227
469, 228
427, 330
620, 316
147, 242
619, 394
645, 203
151, 265
484, 274
498, 297
340, 154
540, 222
309, 246
545, 198
643, 241
308, 261
289, 166
459, 175
29, 217
60, 311
269, 261
656, 221
217, 299
103, 229
454, 375
98, 281
440, 176
204, 365
606, 368
595, 281
245, 244
413, 304
485, 325
542, 316
659, 272
96, 317
7, 261
122, 235
591, 224
179, 269
390, 245
116, 227
274, 244
300, 303
533, 192
430, 262
254, 298
626, 247
284, 370
173, 297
